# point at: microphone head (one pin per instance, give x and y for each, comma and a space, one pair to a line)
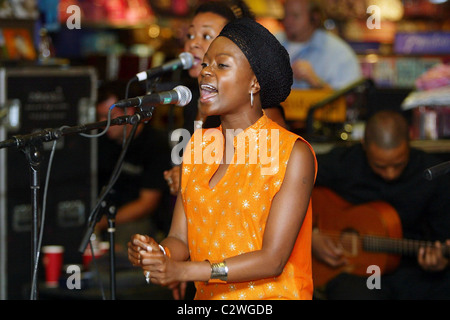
187, 59
184, 95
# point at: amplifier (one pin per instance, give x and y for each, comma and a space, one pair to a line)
33, 99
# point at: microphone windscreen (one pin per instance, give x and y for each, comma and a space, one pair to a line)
184, 95
187, 59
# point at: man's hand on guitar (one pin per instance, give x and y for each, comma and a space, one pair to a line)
431, 258
326, 250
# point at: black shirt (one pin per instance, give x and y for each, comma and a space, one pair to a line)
423, 206
145, 161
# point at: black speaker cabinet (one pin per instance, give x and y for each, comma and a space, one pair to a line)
33, 99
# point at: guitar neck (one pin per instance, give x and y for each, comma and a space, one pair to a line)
398, 246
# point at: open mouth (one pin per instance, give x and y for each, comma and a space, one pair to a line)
207, 92
197, 61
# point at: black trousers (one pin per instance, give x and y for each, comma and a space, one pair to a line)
407, 282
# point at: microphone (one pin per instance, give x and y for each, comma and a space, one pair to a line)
185, 60
437, 170
179, 95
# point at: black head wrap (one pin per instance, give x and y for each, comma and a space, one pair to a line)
268, 58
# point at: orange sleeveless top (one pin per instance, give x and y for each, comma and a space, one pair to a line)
230, 219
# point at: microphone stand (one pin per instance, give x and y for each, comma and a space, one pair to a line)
95, 216
110, 210
111, 215
437, 170
32, 146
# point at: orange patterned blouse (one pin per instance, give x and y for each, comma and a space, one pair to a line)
230, 219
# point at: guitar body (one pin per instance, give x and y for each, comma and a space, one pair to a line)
346, 224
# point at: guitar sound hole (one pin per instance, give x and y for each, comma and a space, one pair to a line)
349, 240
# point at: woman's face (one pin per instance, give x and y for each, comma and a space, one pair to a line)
226, 79
205, 27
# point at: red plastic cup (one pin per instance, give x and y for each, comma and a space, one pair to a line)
53, 262
104, 247
87, 256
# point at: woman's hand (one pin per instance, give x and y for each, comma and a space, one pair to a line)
160, 269
138, 245
145, 252
172, 177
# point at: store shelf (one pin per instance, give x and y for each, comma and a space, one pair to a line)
432, 146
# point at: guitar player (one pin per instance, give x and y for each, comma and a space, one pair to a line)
383, 167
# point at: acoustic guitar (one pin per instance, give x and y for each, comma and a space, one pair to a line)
369, 234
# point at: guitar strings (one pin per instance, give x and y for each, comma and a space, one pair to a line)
352, 242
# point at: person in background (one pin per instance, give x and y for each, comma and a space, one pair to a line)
239, 231
138, 194
385, 168
208, 20
319, 58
